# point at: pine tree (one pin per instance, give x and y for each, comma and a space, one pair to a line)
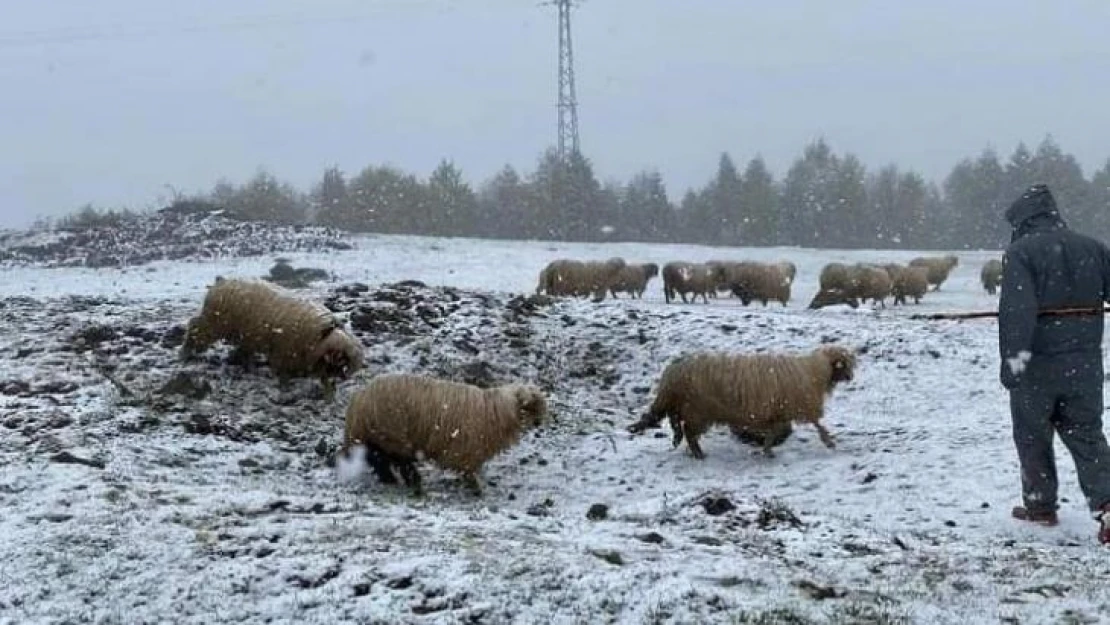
759, 198
453, 204
329, 198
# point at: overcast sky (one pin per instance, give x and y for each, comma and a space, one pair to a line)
109, 101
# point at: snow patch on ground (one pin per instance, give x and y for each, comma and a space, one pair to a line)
139, 488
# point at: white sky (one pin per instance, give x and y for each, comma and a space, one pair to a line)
109, 101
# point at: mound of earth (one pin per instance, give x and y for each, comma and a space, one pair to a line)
164, 235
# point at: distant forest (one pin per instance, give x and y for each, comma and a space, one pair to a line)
826, 200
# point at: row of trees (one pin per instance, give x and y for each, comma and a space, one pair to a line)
824, 200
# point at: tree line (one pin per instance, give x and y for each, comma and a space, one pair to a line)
825, 200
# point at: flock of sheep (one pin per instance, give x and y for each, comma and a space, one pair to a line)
751, 281
397, 418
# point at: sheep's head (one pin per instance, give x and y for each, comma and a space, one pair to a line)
842, 361
614, 265
531, 405
832, 297
651, 270
951, 261
338, 355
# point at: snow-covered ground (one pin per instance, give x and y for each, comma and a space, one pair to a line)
128, 495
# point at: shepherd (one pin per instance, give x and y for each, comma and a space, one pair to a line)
1052, 365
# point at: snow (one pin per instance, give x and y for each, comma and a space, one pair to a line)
222, 507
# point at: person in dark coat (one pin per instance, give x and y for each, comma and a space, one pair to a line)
1052, 365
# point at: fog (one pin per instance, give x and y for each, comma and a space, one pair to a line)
122, 102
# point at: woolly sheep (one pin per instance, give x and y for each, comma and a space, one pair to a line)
747, 392
299, 338
697, 278
853, 284
991, 275
751, 281
788, 268
838, 284
399, 416
575, 278
938, 268
907, 282
633, 279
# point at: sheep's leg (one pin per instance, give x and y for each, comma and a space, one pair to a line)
380, 465
826, 438
676, 430
411, 477
328, 384
692, 441
768, 445
242, 357
470, 481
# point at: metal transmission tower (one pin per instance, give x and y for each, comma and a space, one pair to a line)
568, 99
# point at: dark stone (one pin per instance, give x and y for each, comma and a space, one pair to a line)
597, 512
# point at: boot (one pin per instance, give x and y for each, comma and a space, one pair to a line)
1046, 518
1103, 518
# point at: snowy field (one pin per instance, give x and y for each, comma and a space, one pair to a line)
137, 489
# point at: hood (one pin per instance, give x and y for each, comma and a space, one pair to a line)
1034, 211
1035, 202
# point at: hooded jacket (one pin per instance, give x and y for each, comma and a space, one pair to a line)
1049, 266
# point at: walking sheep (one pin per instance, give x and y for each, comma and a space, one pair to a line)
907, 282
938, 268
298, 338
747, 391
991, 275
576, 278
697, 278
844, 284
633, 279
752, 281
399, 417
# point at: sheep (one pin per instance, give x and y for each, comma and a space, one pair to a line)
844, 284
697, 278
747, 392
633, 279
938, 268
907, 282
838, 284
991, 275
578, 278
400, 416
756, 281
788, 268
299, 338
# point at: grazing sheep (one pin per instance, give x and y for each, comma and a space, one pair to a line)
719, 269
750, 392
697, 278
938, 268
788, 268
576, 278
399, 416
633, 279
907, 282
991, 275
299, 338
752, 281
838, 284
851, 285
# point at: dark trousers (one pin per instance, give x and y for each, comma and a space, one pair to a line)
1040, 409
